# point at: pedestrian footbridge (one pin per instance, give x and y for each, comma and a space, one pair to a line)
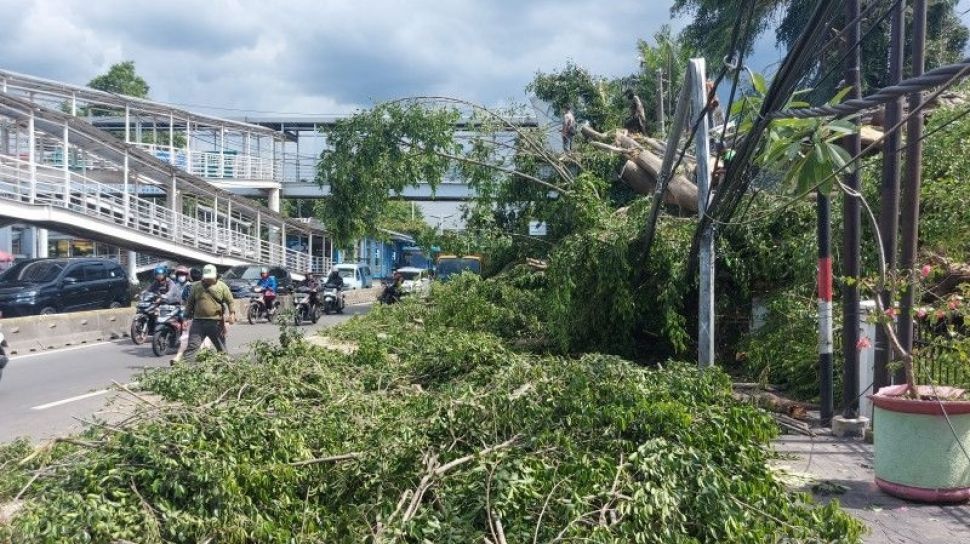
59, 171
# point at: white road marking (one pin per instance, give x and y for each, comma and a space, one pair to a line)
56, 351
69, 400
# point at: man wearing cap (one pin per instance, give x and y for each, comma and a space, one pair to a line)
207, 305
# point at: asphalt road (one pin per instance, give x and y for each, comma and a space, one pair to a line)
43, 395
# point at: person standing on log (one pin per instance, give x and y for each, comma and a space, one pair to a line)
568, 129
636, 123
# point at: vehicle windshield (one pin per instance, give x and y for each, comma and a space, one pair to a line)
411, 275
346, 273
33, 272
448, 267
242, 273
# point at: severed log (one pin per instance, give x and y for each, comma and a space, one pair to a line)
774, 403
641, 170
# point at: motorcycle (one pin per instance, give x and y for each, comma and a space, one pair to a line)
4, 348
171, 324
146, 315
257, 306
390, 295
333, 300
304, 309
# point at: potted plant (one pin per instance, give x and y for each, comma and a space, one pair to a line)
922, 431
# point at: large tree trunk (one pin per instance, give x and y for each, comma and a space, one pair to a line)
642, 169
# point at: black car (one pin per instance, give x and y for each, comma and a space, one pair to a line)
50, 286
242, 278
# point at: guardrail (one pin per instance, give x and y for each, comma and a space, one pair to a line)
71, 191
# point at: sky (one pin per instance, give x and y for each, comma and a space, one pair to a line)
328, 56
324, 56
238, 57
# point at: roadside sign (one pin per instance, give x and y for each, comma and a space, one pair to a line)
537, 228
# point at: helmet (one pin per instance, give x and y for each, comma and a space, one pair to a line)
181, 274
195, 274
264, 272
161, 271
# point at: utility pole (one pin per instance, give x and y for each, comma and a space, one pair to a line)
661, 114
851, 235
911, 190
705, 311
825, 305
889, 197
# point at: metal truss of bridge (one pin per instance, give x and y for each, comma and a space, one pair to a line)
151, 190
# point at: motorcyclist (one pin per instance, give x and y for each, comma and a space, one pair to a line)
394, 290
312, 286
269, 286
334, 280
164, 287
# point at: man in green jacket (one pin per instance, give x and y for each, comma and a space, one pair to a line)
208, 303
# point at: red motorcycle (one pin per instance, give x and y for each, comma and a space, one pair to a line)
169, 326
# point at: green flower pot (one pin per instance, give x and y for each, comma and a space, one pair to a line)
917, 456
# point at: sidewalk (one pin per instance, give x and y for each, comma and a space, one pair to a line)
830, 468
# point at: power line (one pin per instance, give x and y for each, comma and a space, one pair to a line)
933, 78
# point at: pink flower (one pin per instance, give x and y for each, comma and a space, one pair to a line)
863, 343
925, 271
940, 315
890, 312
921, 313
953, 304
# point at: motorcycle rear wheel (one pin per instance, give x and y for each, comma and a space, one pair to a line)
139, 331
253, 313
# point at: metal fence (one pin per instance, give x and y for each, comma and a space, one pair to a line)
937, 359
68, 190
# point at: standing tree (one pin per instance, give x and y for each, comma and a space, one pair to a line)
121, 78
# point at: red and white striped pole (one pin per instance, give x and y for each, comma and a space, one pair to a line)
825, 307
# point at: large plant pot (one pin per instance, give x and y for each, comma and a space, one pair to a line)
917, 456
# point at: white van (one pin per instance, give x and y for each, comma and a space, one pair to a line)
416, 280
356, 276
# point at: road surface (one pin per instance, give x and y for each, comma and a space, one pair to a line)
43, 394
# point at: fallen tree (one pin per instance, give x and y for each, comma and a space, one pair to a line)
642, 168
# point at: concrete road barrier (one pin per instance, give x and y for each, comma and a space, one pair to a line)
39, 333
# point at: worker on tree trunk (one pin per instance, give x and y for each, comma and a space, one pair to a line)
568, 129
636, 123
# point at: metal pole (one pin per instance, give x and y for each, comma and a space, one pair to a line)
65, 166
825, 306
911, 190
171, 139
188, 145
127, 124
222, 152
705, 311
124, 197
889, 198
31, 156
73, 104
851, 236
661, 117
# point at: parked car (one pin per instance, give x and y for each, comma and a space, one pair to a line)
50, 286
242, 278
416, 280
356, 276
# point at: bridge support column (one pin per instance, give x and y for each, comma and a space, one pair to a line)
132, 267
6, 239
41, 240
273, 199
